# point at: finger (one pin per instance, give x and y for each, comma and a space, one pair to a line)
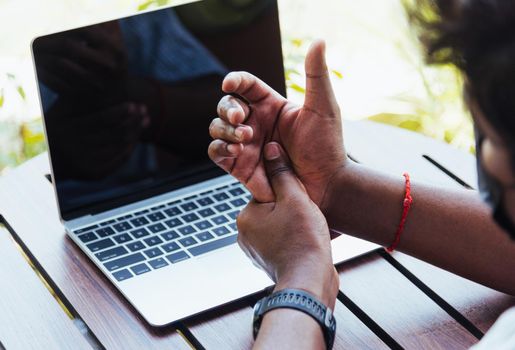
280, 174
248, 86
233, 110
220, 129
319, 91
224, 154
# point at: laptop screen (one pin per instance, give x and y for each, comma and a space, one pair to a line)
127, 103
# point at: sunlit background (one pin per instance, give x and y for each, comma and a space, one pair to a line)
377, 65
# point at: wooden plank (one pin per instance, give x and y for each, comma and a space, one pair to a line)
212, 329
395, 150
400, 308
29, 207
229, 327
479, 304
30, 318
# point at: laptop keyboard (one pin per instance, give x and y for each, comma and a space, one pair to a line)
153, 238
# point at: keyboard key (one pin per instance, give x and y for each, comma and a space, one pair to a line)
204, 236
219, 219
174, 202
122, 226
108, 222
141, 268
125, 217
122, 275
160, 206
206, 212
221, 196
234, 214
156, 228
220, 231
85, 229
189, 206
154, 252
207, 192
152, 241
125, 261
135, 246
177, 257
88, 237
190, 198
187, 230
111, 253
203, 225
238, 202
158, 263
123, 238
141, 232
205, 201
173, 222
186, 242
105, 231
222, 187
222, 207
190, 217
210, 246
139, 221
233, 226
102, 244
237, 191
168, 236
170, 247
156, 216
249, 197
141, 212
173, 211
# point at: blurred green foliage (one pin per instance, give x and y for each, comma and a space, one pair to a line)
439, 113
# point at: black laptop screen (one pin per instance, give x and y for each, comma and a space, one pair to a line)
127, 103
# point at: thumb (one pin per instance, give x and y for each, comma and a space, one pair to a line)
280, 174
319, 91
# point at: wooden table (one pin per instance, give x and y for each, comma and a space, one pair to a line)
385, 301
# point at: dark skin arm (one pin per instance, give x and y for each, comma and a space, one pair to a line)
450, 229
305, 263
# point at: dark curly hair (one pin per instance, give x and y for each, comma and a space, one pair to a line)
478, 37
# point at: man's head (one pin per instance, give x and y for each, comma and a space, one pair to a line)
478, 36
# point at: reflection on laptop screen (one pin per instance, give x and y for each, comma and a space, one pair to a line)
127, 103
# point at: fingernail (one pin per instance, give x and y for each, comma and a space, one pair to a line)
231, 115
272, 151
233, 148
239, 133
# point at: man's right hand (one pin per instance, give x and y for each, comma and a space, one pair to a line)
311, 134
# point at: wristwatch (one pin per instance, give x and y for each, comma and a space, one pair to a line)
298, 300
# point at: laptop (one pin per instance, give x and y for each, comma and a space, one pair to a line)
126, 105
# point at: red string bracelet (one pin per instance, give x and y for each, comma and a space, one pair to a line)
406, 205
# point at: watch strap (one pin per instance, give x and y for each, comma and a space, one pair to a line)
298, 300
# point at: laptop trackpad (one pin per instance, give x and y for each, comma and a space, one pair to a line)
194, 285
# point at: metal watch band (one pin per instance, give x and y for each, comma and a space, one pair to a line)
298, 300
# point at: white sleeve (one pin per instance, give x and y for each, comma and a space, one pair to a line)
502, 334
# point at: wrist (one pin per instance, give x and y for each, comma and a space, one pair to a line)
339, 180
320, 280
342, 186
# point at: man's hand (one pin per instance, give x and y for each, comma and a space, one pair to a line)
289, 238
311, 134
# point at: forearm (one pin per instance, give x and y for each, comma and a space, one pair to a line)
450, 229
